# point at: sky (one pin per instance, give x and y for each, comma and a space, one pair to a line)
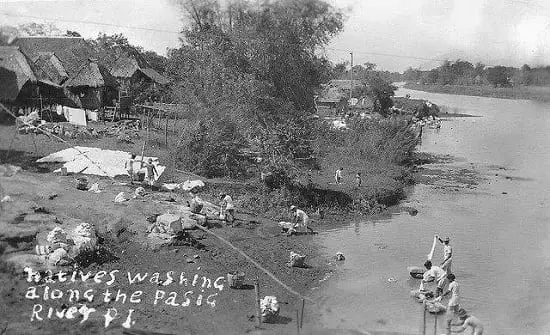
394, 34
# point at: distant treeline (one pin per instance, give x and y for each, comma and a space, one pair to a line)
462, 72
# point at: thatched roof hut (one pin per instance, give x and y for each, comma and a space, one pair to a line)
15, 73
126, 68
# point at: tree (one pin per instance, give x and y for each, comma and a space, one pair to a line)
257, 66
498, 76
382, 91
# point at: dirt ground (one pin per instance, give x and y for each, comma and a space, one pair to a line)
130, 252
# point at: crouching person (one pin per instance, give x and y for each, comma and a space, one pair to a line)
227, 209
300, 218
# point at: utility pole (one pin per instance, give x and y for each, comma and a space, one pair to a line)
351, 76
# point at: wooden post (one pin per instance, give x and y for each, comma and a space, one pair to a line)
258, 311
302, 313
166, 132
297, 322
424, 319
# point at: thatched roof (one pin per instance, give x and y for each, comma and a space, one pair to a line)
72, 52
15, 72
124, 67
49, 67
155, 76
91, 74
70, 56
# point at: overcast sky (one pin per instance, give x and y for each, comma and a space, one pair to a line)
385, 32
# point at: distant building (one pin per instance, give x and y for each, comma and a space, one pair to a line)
71, 63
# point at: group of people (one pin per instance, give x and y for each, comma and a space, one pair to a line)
447, 285
338, 177
150, 170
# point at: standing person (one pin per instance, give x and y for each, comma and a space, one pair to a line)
468, 321
151, 171
227, 209
300, 218
434, 273
454, 301
447, 254
358, 180
129, 165
338, 176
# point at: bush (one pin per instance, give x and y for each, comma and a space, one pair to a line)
213, 149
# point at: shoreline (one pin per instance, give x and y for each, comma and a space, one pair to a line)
260, 238
532, 93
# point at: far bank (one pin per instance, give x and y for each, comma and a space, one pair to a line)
535, 93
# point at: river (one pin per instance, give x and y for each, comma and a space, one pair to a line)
498, 228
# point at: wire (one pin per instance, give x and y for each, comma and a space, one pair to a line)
92, 22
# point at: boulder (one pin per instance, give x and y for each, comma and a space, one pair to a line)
297, 260
171, 222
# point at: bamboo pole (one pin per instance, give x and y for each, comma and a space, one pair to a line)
297, 322
302, 313
424, 319
166, 132
258, 312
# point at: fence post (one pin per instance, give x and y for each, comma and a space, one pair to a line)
424, 318
258, 312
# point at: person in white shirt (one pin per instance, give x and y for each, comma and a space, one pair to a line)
454, 300
130, 167
434, 273
300, 218
468, 321
227, 209
338, 176
447, 254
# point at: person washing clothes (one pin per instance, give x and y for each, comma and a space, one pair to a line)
300, 218
468, 321
151, 171
434, 273
227, 209
447, 254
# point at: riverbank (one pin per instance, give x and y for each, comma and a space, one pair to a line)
258, 236
536, 93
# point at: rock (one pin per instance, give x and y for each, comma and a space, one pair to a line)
121, 197
188, 224
297, 260
340, 256
190, 185
7, 170
156, 241
200, 219
7, 198
190, 260
22, 260
116, 228
196, 256
139, 192
171, 222
412, 211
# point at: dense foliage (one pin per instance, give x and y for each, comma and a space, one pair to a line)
462, 72
256, 67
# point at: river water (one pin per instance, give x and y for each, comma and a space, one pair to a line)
498, 228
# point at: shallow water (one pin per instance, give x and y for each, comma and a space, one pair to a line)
500, 241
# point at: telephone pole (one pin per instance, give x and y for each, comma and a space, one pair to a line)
351, 76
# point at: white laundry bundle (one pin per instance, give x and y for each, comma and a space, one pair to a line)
270, 308
57, 235
85, 238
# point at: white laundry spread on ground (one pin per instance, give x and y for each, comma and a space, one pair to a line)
107, 162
